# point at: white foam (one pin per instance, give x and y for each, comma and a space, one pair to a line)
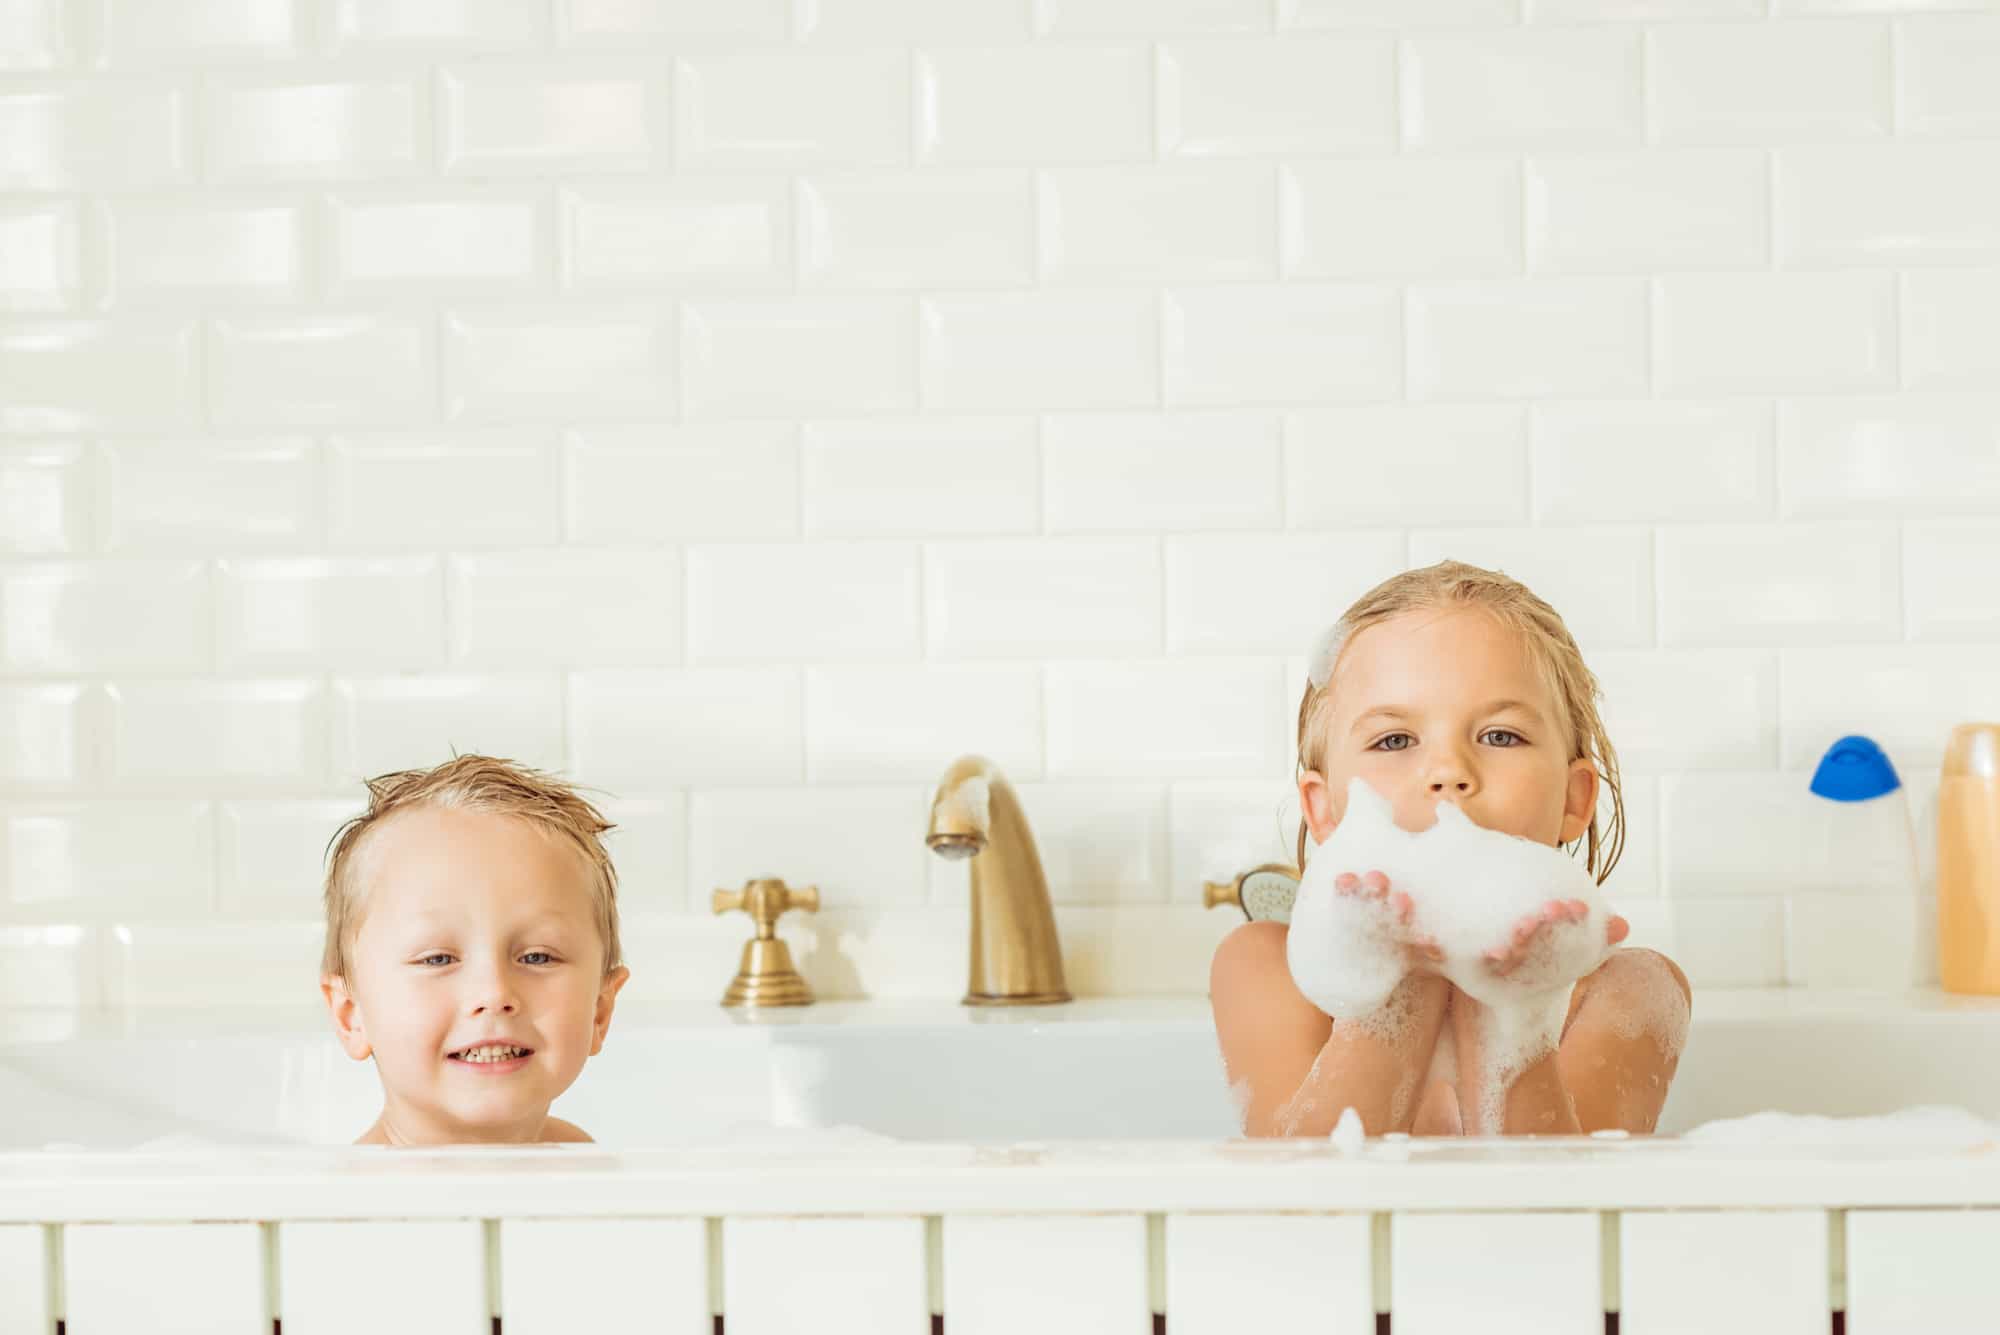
1348, 1132
1303, 1102
1929, 1126
1325, 653
1470, 887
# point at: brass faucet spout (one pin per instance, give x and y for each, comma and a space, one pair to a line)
1016, 956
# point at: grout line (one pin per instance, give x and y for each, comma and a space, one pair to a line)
491, 1230
934, 1264
1382, 1240
716, 1273
268, 1240
1156, 1262
1610, 1242
55, 1290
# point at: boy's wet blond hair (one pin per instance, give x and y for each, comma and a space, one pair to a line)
468, 783
1557, 661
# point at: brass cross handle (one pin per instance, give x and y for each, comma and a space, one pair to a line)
766, 976
764, 900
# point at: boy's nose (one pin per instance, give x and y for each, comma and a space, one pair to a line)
491, 996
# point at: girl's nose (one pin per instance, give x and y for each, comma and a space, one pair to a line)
1450, 777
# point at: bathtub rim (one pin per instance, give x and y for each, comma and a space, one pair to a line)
932, 1178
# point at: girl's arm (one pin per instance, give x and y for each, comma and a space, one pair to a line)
1628, 1023
1621, 1041
1293, 1068
1535, 1102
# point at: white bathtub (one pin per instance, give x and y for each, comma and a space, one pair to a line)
1093, 1070
1075, 1175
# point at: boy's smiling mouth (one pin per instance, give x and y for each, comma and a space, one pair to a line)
491, 1054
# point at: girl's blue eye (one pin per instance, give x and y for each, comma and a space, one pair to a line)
439, 958
1380, 742
538, 957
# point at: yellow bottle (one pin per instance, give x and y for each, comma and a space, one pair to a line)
1968, 831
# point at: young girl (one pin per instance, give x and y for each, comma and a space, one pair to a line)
1458, 683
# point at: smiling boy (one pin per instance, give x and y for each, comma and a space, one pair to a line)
471, 950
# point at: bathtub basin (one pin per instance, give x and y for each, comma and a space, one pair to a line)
679, 1074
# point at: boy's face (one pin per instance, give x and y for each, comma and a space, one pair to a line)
1418, 713
477, 936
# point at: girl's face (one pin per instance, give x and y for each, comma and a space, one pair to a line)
1430, 706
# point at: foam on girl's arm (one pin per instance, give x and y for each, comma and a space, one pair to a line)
1624, 1043
1296, 1070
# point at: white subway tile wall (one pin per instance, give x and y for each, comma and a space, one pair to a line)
746, 408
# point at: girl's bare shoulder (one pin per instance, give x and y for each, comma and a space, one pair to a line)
1250, 968
1249, 955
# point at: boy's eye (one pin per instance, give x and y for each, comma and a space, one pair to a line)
1505, 732
538, 957
1381, 743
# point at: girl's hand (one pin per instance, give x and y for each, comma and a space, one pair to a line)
1535, 928
1395, 911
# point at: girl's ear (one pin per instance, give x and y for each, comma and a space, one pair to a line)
1316, 805
1579, 800
346, 1012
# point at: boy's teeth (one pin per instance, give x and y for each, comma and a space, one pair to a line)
492, 1054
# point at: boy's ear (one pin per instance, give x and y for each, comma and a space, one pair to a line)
1579, 800
346, 1012
607, 997
1316, 805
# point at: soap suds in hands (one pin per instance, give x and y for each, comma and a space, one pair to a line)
1470, 888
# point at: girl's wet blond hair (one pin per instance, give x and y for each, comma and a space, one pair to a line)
468, 783
1559, 664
